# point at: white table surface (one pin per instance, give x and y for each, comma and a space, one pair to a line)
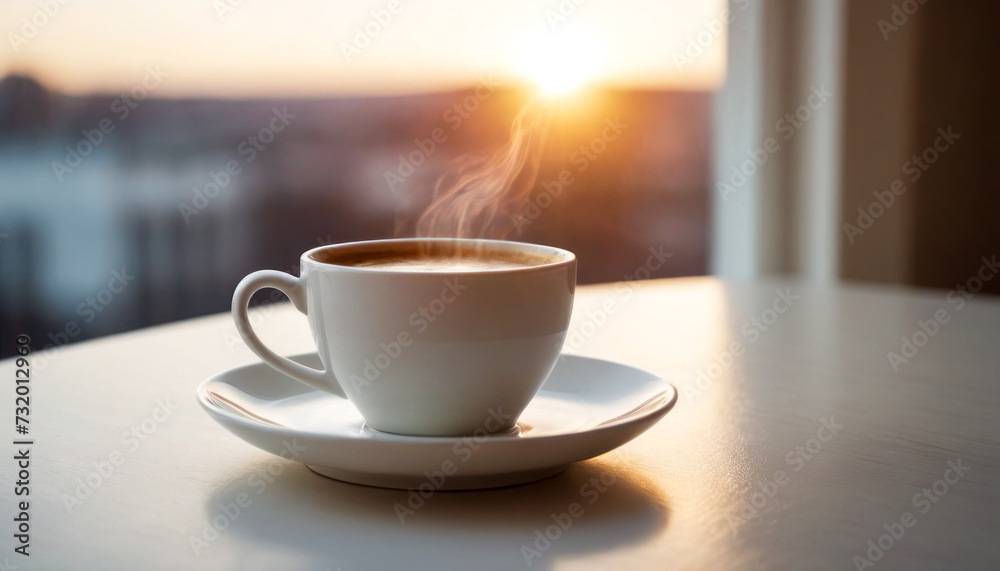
677, 489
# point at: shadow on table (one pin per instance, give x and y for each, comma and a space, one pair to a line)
344, 526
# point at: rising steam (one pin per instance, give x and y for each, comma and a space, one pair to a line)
469, 198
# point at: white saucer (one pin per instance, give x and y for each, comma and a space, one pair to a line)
585, 408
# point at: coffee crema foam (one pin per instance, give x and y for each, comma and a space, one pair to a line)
440, 264
420, 258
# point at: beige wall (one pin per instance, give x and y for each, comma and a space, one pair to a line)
877, 132
897, 78
939, 69
957, 216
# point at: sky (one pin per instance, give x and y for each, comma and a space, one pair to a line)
247, 48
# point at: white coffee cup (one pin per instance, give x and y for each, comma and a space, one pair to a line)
430, 350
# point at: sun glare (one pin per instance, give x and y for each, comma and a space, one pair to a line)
560, 63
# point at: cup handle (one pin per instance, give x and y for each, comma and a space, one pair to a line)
294, 289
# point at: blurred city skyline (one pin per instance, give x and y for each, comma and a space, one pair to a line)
183, 197
182, 145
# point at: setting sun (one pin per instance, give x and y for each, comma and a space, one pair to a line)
315, 49
560, 63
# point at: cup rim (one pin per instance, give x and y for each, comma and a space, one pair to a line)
566, 257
